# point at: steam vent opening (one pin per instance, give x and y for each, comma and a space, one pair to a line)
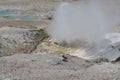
89, 24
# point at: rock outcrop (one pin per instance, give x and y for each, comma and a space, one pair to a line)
18, 40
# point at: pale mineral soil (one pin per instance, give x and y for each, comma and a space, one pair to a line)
43, 9
47, 66
55, 67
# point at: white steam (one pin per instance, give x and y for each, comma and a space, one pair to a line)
87, 20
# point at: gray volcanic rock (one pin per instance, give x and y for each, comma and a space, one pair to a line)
40, 67
18, 40
55, 67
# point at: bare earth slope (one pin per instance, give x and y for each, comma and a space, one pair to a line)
54, 67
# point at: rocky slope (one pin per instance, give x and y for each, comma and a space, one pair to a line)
17, 40
55, 67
